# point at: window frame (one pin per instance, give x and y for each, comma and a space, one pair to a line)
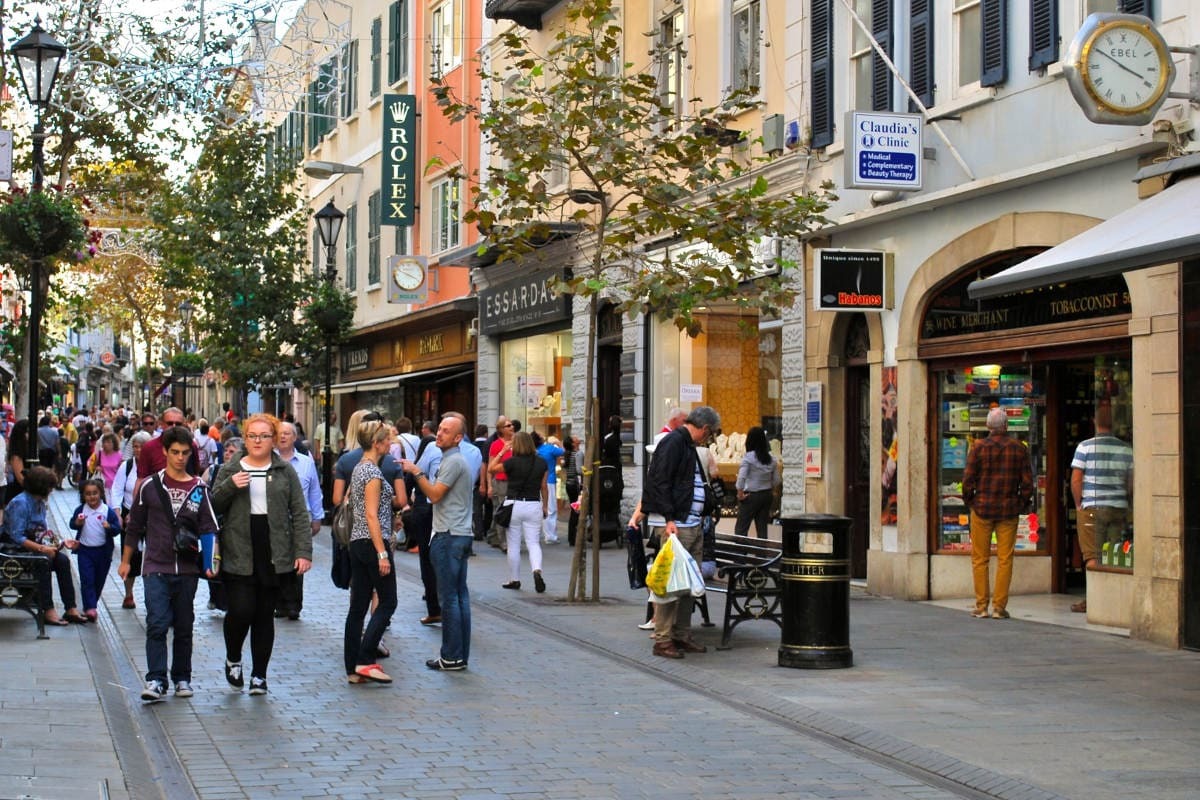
959, 10
753, 8
399, 62
348, 80
445, 36
672, 64
446, 194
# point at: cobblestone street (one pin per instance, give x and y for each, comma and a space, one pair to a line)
566, 701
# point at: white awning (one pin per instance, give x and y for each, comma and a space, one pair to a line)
1158, 230
393, 381
373, 385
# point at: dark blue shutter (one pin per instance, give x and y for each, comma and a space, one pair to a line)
993, 47
920, 75
1043, 33
822, 73
881, 76
1143, 7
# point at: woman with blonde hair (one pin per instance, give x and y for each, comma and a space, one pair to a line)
372, 570
265, 534
529, 497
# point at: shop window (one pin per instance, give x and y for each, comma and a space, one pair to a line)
535, 379
735, 366
965, 396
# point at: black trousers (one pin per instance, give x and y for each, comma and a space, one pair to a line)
359, 645
421, 524
251, 610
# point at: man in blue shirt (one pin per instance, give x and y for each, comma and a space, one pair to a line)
551, 452
291, 588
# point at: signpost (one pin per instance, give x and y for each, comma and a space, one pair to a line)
884, 151
853, 280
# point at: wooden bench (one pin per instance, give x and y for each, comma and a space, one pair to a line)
21, 575
748, 576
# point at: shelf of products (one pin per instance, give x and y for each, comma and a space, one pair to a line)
965, 397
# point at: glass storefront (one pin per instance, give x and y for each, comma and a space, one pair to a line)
735, 366
1051, 408
535, 380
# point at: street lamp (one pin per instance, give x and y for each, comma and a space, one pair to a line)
329, 226
186, 309
38, 58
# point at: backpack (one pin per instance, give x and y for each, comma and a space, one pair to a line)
203, 457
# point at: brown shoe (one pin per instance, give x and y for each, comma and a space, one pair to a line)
1080, 607
689, 646
666, 650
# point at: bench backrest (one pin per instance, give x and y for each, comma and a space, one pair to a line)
732, 549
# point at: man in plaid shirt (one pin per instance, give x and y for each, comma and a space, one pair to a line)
997, 487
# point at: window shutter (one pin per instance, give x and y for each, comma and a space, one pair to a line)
881, 76
314, 109
394, 42
1143, 7
822, 73
1043, 33
920, 76
376, 56
993, 47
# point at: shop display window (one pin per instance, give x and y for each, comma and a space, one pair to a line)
535, 379
735, 366
965, 396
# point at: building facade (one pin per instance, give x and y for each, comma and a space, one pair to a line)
1011, 168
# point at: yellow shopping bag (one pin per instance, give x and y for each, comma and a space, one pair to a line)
660, 570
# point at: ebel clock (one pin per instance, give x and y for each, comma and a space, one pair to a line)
1119, 69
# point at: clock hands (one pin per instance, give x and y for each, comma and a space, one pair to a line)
1132, 72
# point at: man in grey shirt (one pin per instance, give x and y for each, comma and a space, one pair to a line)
450, 546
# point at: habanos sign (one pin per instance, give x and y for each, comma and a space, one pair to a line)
883, 151
853, 280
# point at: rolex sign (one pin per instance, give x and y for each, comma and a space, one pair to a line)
399, 159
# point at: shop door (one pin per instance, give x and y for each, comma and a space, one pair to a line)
608, 381
859, 470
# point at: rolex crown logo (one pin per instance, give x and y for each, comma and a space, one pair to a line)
400, 111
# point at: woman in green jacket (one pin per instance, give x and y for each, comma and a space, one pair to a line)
265, 535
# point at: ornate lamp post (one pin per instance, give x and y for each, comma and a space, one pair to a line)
186, 309
38, 58
329, 226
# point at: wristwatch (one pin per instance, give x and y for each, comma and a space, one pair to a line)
421, 475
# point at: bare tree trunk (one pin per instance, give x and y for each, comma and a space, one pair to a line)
577, 590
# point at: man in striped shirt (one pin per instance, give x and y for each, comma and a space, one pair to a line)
1102, 485
997, 487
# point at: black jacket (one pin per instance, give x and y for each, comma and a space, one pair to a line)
671, 480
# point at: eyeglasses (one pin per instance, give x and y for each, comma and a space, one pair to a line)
259, 437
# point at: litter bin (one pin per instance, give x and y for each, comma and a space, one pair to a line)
815, 572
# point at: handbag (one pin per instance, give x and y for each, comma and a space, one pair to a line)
339, 568
343, 523
503, 515
636, 562
185, 540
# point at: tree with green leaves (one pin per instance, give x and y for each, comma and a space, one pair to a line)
643, 169
232, 239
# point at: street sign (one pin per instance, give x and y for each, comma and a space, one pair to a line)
883, 151
107, 358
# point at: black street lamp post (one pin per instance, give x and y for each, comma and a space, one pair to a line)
329, 227
38, 57
186, 309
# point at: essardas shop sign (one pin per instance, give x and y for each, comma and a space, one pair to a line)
399, 158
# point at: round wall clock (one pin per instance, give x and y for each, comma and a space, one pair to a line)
1119, 69
408, 273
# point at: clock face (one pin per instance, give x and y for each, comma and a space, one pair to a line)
408, 274
1123, 67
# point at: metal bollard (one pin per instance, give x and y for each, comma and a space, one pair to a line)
815, 573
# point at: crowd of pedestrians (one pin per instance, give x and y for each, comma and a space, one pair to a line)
238, 503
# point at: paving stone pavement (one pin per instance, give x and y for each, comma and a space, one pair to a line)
565, 701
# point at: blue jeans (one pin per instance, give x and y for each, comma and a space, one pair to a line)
449, 557
169, 605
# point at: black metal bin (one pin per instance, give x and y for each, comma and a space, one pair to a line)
815, 577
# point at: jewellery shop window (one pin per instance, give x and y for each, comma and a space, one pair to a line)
735, 366
965, 396
535, 376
